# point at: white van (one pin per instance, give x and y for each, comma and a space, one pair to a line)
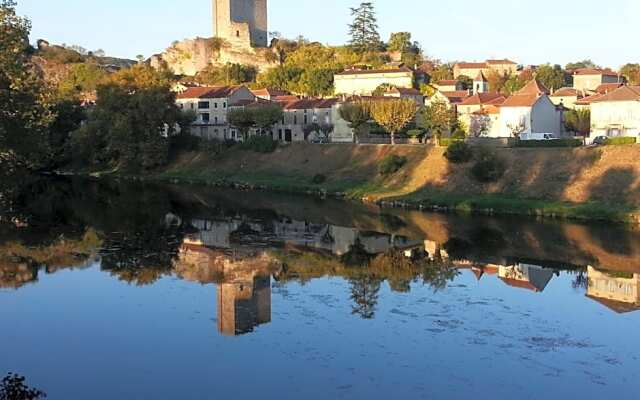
538, 136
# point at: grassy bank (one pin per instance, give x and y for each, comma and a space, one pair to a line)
588, 184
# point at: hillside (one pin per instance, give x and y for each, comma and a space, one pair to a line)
599, 181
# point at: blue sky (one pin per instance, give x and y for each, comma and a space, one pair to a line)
530, 32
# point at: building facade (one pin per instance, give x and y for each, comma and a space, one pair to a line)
588, 80
365, 82
616, 114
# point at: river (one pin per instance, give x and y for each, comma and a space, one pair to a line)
112, 290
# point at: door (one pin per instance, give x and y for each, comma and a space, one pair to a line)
287, 135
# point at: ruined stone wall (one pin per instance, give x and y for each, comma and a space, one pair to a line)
242, 23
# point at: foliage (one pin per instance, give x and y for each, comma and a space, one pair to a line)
578, 121
260, 144
81, 79
241, 119
498, 81
130, 125
410, 51
229, 74
62, 55
581, 64
489, 167
283, 77
553, 77
357, 114
466, 82
620, 141
459, 152
442, 72
631, 73
393, 115
480, 125
415, 133
550, 143
141, 76
13, 387
382, 89
261, 118
437, 118
446, 142
316, 82
514, 83
391, 164
318, 179
364, 28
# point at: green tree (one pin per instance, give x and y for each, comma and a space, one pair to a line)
394, 115
497, 81
24, 102
229, 74
437, 118
466, 82
513, 84
243, 120
316, 82
364, 28
81, 79
578, 121
442, 72
357, 114
581, 64
553, 77
400, 41
283, 78
265, 117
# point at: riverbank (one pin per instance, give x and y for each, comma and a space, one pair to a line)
584, 183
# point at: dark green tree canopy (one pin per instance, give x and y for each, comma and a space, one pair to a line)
364, 28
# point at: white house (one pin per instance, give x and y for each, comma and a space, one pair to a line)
616, 114
305, 112
588, 79
211, 105
530, 111
360, 82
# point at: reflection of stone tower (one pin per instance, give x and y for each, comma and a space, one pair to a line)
243, 23
243, 305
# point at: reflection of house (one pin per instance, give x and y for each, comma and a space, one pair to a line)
244, 304
619, 292
526, 276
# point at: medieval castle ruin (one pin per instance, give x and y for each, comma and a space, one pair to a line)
240, 37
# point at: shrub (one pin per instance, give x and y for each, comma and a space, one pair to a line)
318, 179
446, 142
550, 143
620, 141
260, 144
391, 164
459, 153
415, 133
489, 167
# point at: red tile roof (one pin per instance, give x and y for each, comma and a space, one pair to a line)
520, 284
468, 65
208, 92
375, 71
608, 87
566, 92
501, 62
405, 91
527, 96
268, 92
625, 93
488, 109
594, 71
585, 101
456, 97
483, 98
448, 82
616, 306
533, 87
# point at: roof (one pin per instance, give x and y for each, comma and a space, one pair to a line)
375, 71
501, 62
208, 92
594, 71
406, 91
457, 96
487, 110
308, 104
585, 101
624, 93
608, 87
269, 92
527, 96
447, 82
566, 92
617, 306
521, 284
533, 87
468, 65
483, 98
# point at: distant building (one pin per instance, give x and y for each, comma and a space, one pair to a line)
589, 79
406, 93
480, 84
273, 94
616, 114
359, 82
452, 99
488, 67
211, 106
530, 111
482, 108
452, 85
618, 291
566, 97
300, 113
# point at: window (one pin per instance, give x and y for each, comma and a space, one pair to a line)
237, 33
205, 117
224, 104
306, 119
215, 105
295, 119
181, 106
215, 120
192, 106
202, 105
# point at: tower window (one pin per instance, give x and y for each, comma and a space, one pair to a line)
237, 33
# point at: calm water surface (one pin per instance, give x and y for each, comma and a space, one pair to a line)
120, 291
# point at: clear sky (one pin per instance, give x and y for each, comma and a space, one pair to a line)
527, 31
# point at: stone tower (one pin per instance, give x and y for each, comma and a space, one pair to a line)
242, 23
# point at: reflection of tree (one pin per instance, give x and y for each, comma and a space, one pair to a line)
13, 387
438, 275
357, 255
364, 293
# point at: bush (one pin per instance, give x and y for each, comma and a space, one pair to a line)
318, 179
550, 143
415, 133
459, 153
620, 141
446, 142
260, 144
489, 167
391, 164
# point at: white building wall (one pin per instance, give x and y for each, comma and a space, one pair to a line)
615, 118
366, 84
546, 118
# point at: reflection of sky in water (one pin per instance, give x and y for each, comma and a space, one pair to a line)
83, 334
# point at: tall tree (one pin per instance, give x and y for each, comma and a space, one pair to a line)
437, 118
394, 115
631, 73
581, 64
578, 121
357, 115
553, 77
24, 103
364, 28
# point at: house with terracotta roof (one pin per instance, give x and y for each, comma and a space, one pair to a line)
301, 113
272, 94
452, 99
589, 79
566, 97
363, 82
472, 69
530, 111
448, 85
619, 292
616, 114
482, 110
211, 105
406, 93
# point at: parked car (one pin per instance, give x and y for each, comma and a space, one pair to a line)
538, 136
600, 141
